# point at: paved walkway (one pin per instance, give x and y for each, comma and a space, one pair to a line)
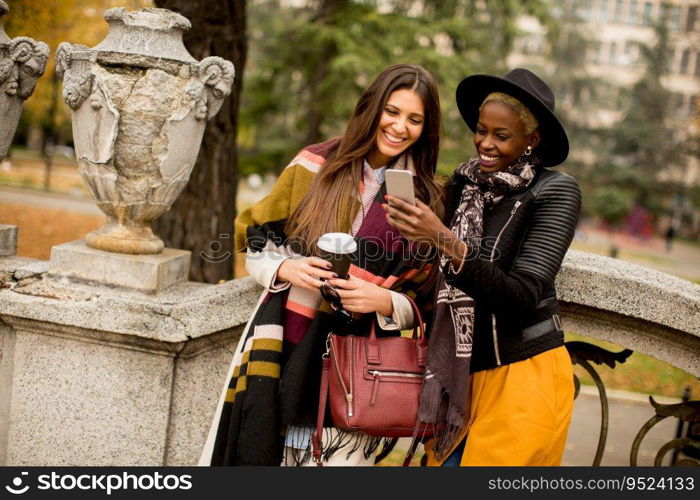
628, 412
32, 198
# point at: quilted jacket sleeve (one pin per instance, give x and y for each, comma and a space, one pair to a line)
551, 229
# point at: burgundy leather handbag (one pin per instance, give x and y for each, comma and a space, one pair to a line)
372, 384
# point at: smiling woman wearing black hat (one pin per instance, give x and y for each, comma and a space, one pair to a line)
499, 383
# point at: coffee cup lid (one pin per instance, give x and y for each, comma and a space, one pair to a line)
337, 243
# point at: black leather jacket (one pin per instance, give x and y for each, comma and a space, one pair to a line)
511, 276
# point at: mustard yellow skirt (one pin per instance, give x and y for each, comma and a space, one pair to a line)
520, 413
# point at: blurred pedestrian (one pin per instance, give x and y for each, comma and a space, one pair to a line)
669, 235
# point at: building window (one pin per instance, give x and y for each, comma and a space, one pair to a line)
603, 11
627, 55
685, 59
697, 64
584, 8
617, 15
647, 17
672, 15
596, 51
632, 17
677, 104
690, 21
693, 105
612, 59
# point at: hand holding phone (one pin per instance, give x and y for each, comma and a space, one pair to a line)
399, 183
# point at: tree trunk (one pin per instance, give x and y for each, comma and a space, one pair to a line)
201, 219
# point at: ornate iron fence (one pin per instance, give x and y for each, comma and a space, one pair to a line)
686, 447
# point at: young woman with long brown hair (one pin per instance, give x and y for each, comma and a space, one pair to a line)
270, 402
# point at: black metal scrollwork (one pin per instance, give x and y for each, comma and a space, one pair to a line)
687, 411
583, 353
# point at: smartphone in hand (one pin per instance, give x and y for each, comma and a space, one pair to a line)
399, 183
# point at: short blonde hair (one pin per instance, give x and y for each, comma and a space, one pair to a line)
525, 114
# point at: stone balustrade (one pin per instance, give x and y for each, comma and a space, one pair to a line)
97, 375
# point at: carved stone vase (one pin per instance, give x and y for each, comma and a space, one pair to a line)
140, 103
22, 62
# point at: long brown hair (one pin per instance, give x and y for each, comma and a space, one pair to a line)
332, 201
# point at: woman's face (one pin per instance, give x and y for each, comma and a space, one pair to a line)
500, 137
400, 125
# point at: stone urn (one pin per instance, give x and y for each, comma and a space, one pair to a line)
22, 62
140, 103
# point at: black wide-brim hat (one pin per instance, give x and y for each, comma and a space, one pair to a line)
529, 89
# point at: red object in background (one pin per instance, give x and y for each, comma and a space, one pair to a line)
638, 223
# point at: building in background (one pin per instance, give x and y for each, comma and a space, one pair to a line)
615, 31
617, 28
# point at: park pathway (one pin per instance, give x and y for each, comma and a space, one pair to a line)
32, 198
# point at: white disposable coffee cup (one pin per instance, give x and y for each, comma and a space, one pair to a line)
337, 248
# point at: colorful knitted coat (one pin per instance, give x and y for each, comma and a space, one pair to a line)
275, 374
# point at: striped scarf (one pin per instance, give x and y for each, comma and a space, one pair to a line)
275, 376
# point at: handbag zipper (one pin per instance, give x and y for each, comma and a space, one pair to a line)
493, 253
348, 395
378, 373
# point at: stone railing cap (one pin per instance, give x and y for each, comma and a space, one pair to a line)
630, 289
185, 311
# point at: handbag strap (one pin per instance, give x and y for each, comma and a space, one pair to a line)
411, 449
317, 436
418, 321
423, 342
373, 355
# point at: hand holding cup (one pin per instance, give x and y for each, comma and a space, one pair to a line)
309, 272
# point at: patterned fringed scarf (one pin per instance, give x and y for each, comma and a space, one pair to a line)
444, 398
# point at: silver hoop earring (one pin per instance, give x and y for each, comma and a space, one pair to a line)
528, 151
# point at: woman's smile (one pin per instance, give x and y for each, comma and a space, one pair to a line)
393, 139
488, 161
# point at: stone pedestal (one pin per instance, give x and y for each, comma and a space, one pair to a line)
144, 273
8, 240
93, 376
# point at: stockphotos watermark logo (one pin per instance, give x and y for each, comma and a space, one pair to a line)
18, 487
107, 483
